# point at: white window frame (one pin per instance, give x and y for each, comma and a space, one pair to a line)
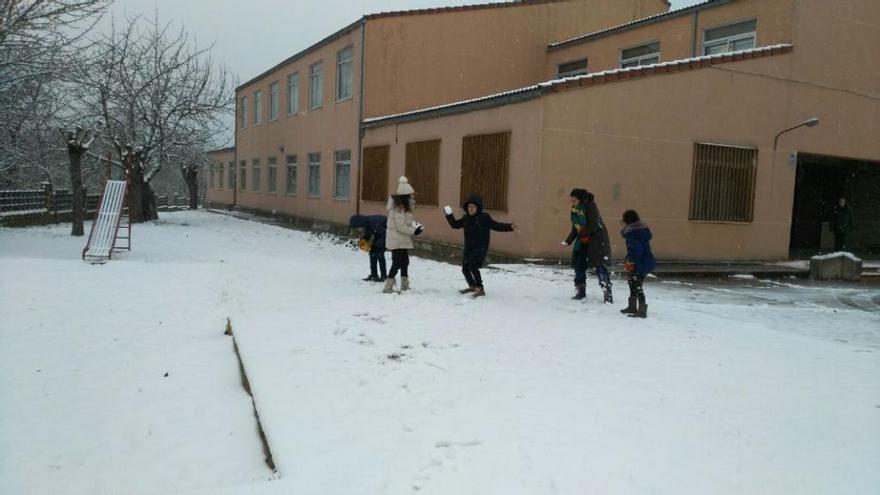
242, 177
579, 72
316, 85
221, 178
729, 40
314, 174
258, 107
230, 176
341, 162
345, 69
273, 101
256, 173
243, 109
291, 163
272, 174
641, 59
293, 93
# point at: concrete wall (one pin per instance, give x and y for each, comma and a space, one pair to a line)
631, 143
676, 35
524, 122
429, 59
327, 129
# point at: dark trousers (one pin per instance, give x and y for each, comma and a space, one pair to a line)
839, 241
399, 261
471, 273
377, 257
581, 261
635, 286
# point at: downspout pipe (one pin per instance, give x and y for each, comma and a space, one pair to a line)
360, 130
696, 29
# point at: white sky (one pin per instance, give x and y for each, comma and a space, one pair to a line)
251, 36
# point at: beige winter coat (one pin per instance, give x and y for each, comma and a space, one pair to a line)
401, 228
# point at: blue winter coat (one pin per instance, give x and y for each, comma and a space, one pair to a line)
638, 247
374, 229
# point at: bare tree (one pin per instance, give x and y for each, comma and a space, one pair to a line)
158, 95
78, 143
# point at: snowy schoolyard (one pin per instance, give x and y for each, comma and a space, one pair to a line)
117, 378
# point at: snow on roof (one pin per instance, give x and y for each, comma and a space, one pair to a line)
537, 90
637, 22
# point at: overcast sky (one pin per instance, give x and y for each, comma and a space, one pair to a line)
251, 36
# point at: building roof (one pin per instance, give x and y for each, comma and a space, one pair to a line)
222, 150
556, 85
665, 16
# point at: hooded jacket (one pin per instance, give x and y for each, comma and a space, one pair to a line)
477, 231
638, 247
374, 229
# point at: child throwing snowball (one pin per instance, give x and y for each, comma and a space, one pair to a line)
477, 226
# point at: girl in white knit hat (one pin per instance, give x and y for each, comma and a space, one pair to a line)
401, 227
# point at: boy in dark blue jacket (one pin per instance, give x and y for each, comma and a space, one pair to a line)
374, 233
639, 262
477, 226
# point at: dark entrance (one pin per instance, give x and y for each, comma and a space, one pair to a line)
821, 181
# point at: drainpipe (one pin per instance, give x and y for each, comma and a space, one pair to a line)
360, 130
696, 27
235, 155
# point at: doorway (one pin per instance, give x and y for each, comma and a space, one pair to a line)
819, 184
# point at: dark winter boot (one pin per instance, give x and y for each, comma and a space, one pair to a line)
631, 309
581, 292
642, 312
371, 278
609, 297
479, 292
468, 290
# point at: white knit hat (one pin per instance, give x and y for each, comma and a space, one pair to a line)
404, 187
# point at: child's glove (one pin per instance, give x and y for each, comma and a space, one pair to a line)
563, 243
447, 210
364, 245
419, 228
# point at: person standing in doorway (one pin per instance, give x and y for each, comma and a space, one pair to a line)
592, 247
401, 228
841, 223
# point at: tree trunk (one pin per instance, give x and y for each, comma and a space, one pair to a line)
75, 154
143, 200
191, 177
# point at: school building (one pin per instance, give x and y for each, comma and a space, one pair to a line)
699, 118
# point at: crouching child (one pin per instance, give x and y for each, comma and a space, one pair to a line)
477, 226
373, 229
639, 262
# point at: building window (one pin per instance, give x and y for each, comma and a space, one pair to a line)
211, 176
484, 165
723, 184
258, 107
230, 179
342, 166
646, 54
314, 174
375, 173
273, 101
272, 174
316, 85
293, 93
423, 169
571, 69
730, 38
243, 112
255, 175
344, 64
290, 188
220, 175
242, 176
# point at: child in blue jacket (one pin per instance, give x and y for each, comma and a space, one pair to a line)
639, 262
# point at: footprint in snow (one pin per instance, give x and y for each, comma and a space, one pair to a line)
444, 458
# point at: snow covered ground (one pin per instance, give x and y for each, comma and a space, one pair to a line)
732, 386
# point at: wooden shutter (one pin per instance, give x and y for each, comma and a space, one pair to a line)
423, 170
484, 168
375, 173
723, 183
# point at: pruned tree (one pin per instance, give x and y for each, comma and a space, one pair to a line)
78, 143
